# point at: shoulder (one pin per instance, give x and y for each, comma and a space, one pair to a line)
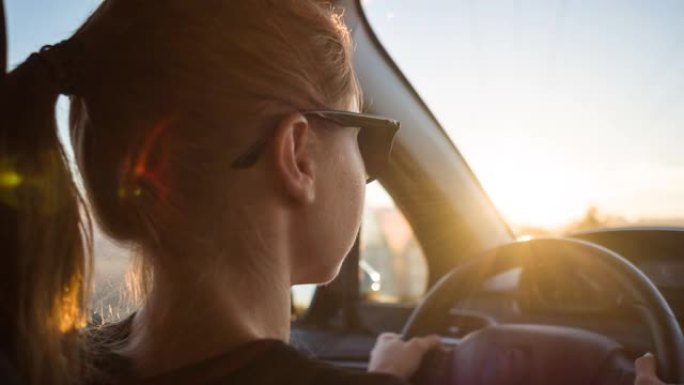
284, 364
264, 362
8, 374
103, 365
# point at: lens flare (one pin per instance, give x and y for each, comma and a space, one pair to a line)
10, 179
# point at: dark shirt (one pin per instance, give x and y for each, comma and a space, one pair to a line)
8, 375
264, 362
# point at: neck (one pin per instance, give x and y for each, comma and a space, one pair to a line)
192, 315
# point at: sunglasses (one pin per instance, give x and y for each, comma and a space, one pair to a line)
375, 138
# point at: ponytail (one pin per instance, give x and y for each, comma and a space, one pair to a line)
43, 267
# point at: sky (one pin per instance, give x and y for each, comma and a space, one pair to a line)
34, 23
557, 105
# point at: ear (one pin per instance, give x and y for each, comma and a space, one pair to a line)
293, 157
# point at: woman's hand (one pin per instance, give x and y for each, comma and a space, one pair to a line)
646, 371
392, 355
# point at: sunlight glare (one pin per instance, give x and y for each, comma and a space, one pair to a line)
541, 187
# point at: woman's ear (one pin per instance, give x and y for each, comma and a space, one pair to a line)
293, 158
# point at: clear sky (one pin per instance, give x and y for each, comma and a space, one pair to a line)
558, 105
34, 23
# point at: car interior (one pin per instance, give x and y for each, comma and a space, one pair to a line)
576, 308
463, 237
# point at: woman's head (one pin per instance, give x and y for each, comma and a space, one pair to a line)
165, 95
168, 93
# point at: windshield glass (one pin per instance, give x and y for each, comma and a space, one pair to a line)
571, 113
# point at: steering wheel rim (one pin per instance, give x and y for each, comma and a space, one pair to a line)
665, 330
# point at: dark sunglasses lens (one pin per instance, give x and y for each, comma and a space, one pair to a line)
374, 150
375, 138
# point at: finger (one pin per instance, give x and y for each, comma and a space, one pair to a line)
432, 341
425, 343
646, 366
388, 336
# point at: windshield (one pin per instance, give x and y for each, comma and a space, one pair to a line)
571, 113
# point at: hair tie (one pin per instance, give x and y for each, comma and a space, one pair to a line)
60, 60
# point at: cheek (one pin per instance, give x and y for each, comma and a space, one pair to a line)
345, 187
346, 204
354, 189
353, 210
338, 213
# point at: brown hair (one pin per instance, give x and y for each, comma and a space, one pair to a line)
44, 273
164, 93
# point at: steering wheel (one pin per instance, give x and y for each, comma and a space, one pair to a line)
543, 354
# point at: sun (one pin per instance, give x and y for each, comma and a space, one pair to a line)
532, 184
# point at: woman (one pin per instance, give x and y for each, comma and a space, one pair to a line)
209, 137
